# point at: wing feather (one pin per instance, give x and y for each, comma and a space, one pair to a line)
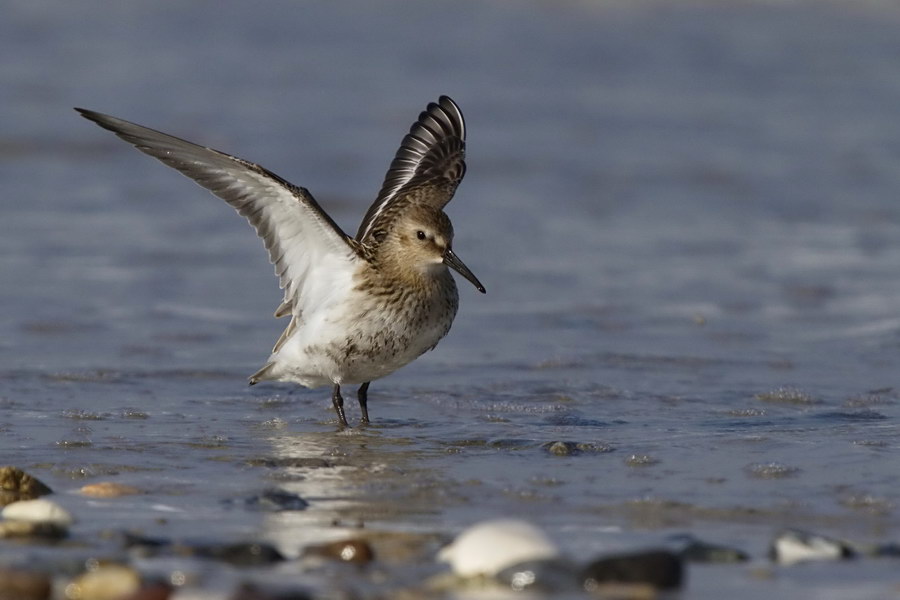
298, 235
431, 154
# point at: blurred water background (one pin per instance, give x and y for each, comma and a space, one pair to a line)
685, 214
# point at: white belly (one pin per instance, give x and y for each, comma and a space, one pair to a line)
359, 341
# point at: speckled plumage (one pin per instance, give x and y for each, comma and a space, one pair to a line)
360, 307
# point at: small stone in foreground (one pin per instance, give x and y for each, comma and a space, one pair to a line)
108, 489
26, 529
792, 546
698, 551
153, 591
787, 395
108, 582
488, 547
275, 500
891, 550
242, 554
358, 552
660, 569
249, 591
16, 484
38, 511
24, 585
542, 576
561, 448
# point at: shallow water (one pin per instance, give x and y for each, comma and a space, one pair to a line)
684, 213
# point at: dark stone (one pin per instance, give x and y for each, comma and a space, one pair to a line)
701, 552
16, 484
276, 500
358, 552
143, 546
561, 448
661, 569
152, 591
891, 550
32, 529
244, 554
287, 462
511, 444
24, 585
250, 591
542, 576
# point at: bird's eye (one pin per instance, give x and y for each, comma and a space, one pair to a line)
420, 234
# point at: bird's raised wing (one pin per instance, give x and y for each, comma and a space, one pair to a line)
308, 249
431, 156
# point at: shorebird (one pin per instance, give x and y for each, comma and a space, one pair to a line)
361, 307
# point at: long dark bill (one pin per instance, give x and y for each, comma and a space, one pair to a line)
452, 261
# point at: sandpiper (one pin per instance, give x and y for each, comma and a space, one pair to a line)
360, 307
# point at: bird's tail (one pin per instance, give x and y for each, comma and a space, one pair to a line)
262, 374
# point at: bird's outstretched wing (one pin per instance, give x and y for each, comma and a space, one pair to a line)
428, 166
308, 249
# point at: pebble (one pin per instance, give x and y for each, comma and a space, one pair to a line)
771, 470
16, 484
249, 591
357, 552
698, 551
890, 550
625, 591
108, 489
141, 545
787, 395
560, 448
491, 546
38, 511
106, 582
543, 576
793, 546
153, 591
290, 462
276, 500
24, 585
661, 569
242, 554
401, 548
31, 529
641, 460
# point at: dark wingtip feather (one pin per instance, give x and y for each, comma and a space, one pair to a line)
435, 141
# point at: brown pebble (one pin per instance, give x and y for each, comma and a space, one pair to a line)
16, 484
250, 591
358, 552
154, 591
624, 591
108, 489
24, 585
108, 582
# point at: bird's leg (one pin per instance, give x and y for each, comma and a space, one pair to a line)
338, 402
363, 396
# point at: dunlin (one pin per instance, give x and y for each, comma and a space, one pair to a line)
360, 307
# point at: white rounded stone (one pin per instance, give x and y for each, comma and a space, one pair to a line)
38, 511
488, 547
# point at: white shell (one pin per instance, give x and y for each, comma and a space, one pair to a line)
38, 511
491, 546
